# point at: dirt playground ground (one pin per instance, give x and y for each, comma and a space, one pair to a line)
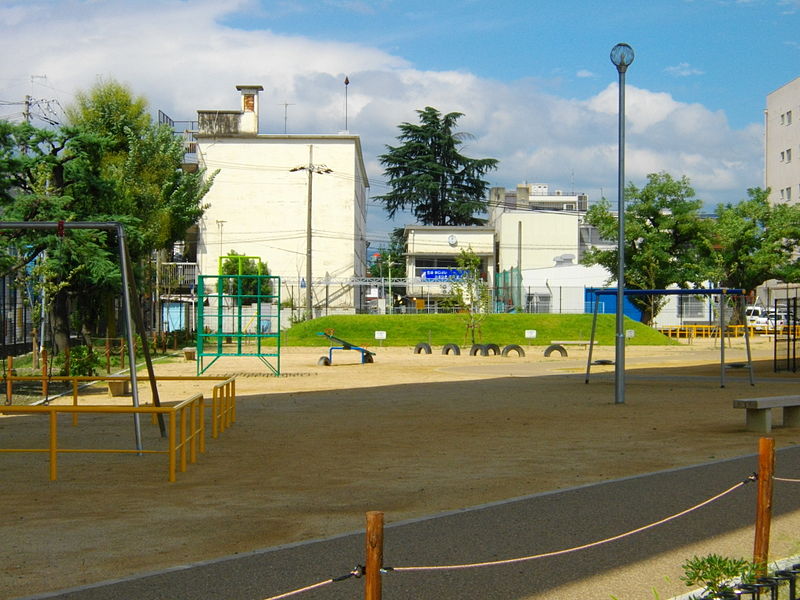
410, 435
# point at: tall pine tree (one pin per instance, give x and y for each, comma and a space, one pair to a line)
430, 177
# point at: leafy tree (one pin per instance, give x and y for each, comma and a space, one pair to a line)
470, 292
54, 176
754, 241
391, 261
429, 176
665, 239
93, 170
236, 264
110, 109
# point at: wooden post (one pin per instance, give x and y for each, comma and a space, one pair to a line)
9, 382
374, 556
766, 469
108, 355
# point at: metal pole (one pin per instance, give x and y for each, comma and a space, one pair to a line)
619, 363
126, 301
309, 310
722, 340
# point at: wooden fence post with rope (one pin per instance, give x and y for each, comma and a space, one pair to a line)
766, 471
374, 556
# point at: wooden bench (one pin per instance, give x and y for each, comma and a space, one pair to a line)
759, 411
558, 346
582, 343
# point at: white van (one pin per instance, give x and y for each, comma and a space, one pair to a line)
753, 313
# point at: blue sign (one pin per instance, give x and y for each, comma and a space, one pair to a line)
441, 274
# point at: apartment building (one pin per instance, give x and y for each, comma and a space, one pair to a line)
782, 143
273, 194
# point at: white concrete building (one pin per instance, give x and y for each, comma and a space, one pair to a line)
533, 239
782, 143
528, 196
431, 254
259, 204
536, 229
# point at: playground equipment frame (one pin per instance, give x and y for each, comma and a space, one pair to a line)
132, 312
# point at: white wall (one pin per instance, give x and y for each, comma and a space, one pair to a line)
783, 136
545, 235
262, 206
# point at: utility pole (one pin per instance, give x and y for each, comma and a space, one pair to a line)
311, 168
26, 112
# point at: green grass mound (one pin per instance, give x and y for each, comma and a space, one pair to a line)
437, 330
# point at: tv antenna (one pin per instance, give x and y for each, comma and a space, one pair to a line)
285, 106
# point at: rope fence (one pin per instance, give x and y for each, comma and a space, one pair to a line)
510, 561
375, 574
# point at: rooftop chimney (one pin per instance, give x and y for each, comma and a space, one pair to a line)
249, 119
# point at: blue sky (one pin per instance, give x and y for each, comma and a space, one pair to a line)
533, 78
724, 54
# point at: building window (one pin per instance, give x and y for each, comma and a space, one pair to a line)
783, 156
789, 118
788, 194
789, 155
691, 307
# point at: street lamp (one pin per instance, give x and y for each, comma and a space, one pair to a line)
621, 57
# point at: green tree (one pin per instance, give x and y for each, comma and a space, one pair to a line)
94, 170
470, 293
665, 239
389, 264
238, 264
55, 176
111, 110
429, 176
754, 241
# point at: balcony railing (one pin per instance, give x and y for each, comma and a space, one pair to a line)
177, 277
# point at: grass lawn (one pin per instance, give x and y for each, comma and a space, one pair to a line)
440, 329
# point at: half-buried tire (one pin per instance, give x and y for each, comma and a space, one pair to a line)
513, 348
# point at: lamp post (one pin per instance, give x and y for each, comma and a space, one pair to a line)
621, 57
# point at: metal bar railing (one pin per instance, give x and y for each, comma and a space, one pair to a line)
184, 441
223, 406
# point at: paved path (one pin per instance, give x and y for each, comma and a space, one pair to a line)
521, 527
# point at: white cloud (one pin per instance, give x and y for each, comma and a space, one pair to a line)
183, 59
683, 69
585, 74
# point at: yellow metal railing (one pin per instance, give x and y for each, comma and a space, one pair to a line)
712, 331
223, 406
183, 438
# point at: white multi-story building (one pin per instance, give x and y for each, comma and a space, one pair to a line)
263, 197
533, 196
536, 229
782, 143
432, 259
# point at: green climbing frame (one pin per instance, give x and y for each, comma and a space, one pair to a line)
238, 315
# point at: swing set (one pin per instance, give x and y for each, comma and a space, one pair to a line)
131, 310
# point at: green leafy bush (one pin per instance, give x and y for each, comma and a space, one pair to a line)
83, 360
715, 573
